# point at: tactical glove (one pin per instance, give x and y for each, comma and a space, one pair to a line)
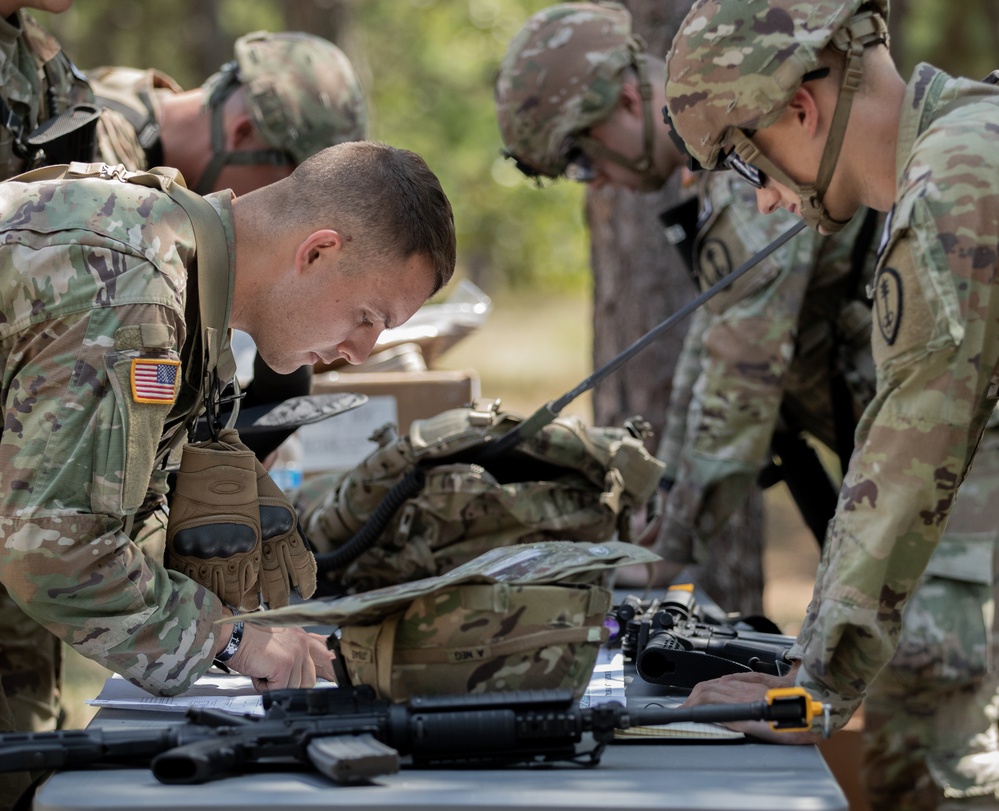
213, 535
287, 559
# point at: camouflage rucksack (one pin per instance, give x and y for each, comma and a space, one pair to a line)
528, 617
566, 482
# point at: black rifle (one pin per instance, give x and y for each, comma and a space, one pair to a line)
350, 736
676, 644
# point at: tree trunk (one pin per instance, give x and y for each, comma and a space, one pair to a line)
638, 281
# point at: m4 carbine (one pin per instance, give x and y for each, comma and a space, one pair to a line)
349, 735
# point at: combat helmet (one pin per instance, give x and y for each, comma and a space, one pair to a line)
735, 66
302, 93
561, 74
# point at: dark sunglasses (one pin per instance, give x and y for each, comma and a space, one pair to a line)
525, 169
745, 170
578, 165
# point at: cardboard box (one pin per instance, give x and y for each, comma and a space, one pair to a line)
400, 397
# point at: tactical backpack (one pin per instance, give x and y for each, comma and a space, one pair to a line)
525, 617
565, 482
474, 638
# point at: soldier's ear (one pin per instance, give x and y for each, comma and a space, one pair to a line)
630, 99
319, 245
804, 111
240, 133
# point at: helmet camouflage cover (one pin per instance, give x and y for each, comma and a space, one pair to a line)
302, 91
561, 74
735, 64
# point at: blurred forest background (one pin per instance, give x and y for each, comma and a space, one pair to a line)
428, 68
575, 276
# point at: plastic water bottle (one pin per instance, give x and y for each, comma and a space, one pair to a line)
287, 470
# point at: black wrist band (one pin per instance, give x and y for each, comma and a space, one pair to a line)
234, 640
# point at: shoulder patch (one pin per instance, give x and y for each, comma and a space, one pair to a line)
154, 380
714, 260
888, 303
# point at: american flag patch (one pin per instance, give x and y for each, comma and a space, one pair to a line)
154, 381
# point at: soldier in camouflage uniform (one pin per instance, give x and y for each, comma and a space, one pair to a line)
281, 99
786, 349
97, 277
37, 80
285, 97
804, 98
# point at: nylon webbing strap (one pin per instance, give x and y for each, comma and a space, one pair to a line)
213, 266
213, 279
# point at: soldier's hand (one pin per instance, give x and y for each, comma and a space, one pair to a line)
276, 658
742, 688
213, 534
286, 559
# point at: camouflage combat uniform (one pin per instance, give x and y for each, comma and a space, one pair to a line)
561, 76
37, 81
762, 358
96, 278
762, 355
935, 341
936, 345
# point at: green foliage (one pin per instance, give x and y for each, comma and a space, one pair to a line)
432, 68
960, 36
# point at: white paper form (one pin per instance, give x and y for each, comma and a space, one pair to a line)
229, 692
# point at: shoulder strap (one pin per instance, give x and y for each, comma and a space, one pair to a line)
214, 292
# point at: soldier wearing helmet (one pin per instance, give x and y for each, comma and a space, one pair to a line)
284, 97
786, 350
807, 96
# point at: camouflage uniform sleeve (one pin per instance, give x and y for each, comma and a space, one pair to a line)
936, 345
688, 368
745, 356
77, 452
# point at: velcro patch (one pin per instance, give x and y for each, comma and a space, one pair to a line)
888, 303
154, 380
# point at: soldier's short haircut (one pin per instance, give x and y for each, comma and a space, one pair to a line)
388, 200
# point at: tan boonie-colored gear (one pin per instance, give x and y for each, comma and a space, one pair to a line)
567, 482
517, 618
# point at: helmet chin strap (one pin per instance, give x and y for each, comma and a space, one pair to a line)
220, 156
813, 210
651, 179
864, 29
